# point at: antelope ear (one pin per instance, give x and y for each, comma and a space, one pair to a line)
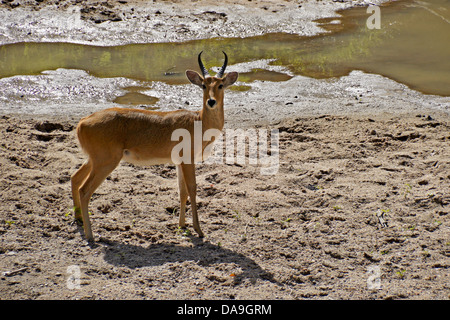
194, 78
230, 78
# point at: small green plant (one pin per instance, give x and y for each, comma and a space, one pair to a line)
257, 219
284, 223
172, 211
70, 212
401, 273
237, 215
187, 233
407, 191
426, 253
337, 208
9, 222
184, 232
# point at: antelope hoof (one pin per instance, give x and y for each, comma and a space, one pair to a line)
89, 237
200, 233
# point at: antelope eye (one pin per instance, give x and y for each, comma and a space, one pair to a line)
220, 86
204, 87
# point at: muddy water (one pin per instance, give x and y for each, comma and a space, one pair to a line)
412, 46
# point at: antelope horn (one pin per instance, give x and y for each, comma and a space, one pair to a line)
222, 70
202, 67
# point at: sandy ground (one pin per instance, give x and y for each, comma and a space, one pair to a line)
361, 194
310, 231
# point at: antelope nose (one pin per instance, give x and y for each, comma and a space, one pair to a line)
211, 102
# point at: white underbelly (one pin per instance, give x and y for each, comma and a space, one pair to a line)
139, 161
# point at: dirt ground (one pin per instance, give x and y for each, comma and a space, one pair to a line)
310, 231
359, 207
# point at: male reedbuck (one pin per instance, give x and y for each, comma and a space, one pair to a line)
145, 138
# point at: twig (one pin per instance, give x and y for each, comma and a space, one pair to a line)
14, 272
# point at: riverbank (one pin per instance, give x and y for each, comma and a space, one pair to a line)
70, 93
139, 21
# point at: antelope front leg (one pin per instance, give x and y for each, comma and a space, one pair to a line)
191, 185
183, 197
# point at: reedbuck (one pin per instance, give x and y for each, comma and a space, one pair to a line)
145, 138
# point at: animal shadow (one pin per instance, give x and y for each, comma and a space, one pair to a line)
203, 253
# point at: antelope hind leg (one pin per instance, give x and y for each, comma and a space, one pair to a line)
96, 176
77, 180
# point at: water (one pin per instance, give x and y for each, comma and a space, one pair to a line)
412, 47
